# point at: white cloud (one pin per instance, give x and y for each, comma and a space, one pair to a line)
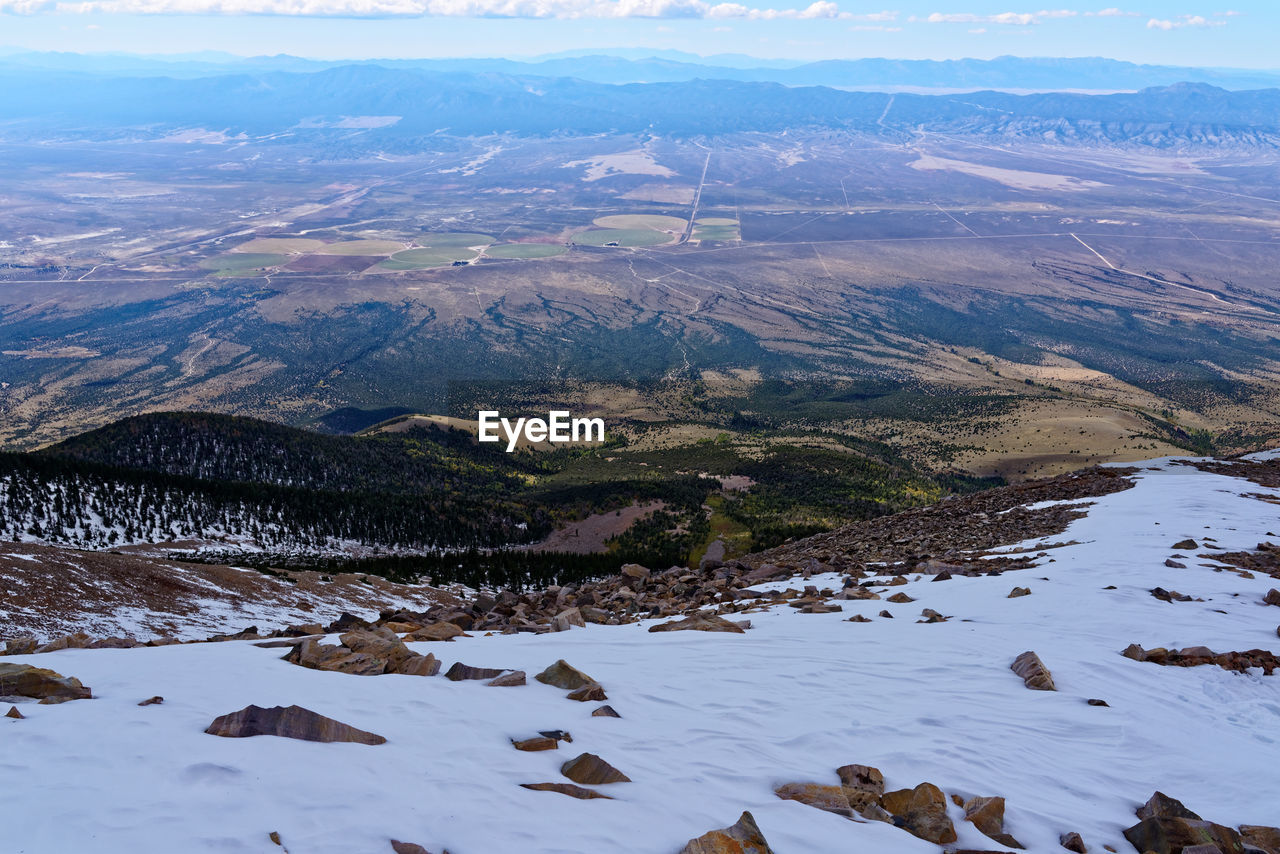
439, 8
1182, 22
1015, 19
1113, 12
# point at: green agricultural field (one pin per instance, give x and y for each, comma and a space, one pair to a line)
657, 222
716, 220
526, 250
623, 237
285, 245
452, 240
716, 232
361, 247
235, 263
425, 259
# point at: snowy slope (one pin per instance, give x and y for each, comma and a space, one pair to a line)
711, 723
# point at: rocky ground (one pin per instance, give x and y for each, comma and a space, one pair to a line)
978, 676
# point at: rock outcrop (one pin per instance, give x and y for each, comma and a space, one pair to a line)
743, 837
288, 722
569, 789
1033, 672
47, 686
590, 770
564, 675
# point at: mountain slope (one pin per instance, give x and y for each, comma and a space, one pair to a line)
711, 724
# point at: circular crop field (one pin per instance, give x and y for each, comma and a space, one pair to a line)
657, 222
425, 259
361, 247
623, 237
526, 250
716, 220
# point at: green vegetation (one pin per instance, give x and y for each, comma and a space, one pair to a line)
655, 222
284, 245
526, 250
424, 259
236, 263
453, 240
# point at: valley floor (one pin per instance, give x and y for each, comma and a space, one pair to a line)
712, 723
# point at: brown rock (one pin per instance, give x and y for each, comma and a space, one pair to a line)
1135, 651
861, 778
339, 659
114, 643
635, 571
407, 847
79, 640
564, 675
1018, 592
858, 618
1096, 702
47, 686
566, 789
1272, 597
588, 693
1161, 805
987, 814
1033, 672
829, 798
402, 628
605, 712
20, 646
435, 632
590, 770
900, 599
514, 679
152, 701
292, 722
1072, 842
14, 713
922, 812
744, 837
886, 615
535, 744
1171, 835
378, 643
700, 623
418, 665
567, 619
460, 672
1185, 545
1260, 836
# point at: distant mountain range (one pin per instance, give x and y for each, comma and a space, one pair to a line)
638, 65
312, 105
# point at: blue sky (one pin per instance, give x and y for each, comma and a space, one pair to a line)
1238, 33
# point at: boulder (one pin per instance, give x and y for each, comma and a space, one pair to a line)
567, 619
1185, 545
79, 640
566, 789
589, 693
460, 672
291, 722
20, 646
744, 837
564, 675
407, 847
47, 686
514, 679
14, 713
1272, 597
922, 812
1033, 672
338, 659
379, 643
829, 798
152, 701
590, 770
418, 665
605, 712
435, 632
700, 623
1019, 592
1161, 805
900, 599
401, 628
1260, 836
1177, 835
635, 571
987, 814
1072, 842
532, 745
861, 778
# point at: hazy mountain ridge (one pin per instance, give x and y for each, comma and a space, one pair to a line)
418, 104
